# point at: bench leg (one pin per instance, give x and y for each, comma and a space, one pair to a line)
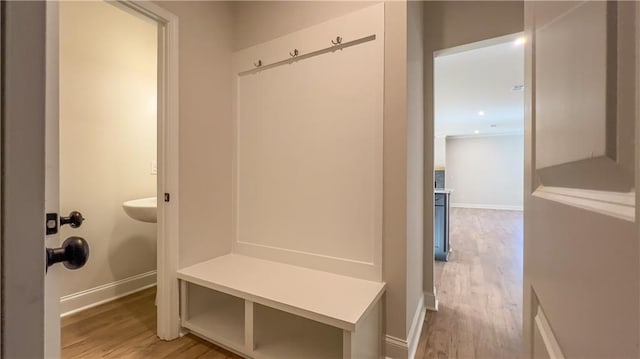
346, 344
365, 341
248, 326
183, 302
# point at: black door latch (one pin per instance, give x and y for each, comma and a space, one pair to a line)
51, 224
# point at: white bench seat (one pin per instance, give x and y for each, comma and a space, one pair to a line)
342, 302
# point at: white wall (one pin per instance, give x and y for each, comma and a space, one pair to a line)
205, 39
107, 138
439, 153
336, 214
415, 171
486, 172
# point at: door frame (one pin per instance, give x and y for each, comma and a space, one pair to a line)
168, 324
432, 298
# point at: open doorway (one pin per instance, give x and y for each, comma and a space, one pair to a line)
116, 159
108, 87
478, 222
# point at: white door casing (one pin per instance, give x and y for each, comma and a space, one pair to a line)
52, 182
168, 162
581, 252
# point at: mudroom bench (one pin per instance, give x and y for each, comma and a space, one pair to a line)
265, 309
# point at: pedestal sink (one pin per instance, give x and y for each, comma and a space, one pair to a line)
143, 209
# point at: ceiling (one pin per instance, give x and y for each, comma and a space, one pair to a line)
474, 90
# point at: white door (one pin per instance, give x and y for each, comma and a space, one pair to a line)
31, 328
30, 293
581, 250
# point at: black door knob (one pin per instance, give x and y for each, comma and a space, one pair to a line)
73, 253
75, 219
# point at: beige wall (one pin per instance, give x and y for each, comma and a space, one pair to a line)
415, 160
205, 42
486, 171
107, 137
257, 22
449, 24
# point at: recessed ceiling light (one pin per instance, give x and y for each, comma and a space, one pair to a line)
476, 132
521, 40
480, 113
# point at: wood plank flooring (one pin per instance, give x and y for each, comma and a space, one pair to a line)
479, 289
126, 328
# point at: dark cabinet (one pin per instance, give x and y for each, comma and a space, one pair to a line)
441, 226
439, 178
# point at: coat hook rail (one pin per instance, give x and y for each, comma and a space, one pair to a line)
296, 56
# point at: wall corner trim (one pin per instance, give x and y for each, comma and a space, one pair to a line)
76, 302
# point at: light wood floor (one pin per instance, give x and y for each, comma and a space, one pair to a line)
479, 289
126, 328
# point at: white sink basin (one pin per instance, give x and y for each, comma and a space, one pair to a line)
143, 209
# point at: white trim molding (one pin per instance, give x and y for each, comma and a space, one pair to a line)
416, 328
399, 348
614, 204
76, 302
478, 44
395, 348
549, 340
487, 206
483, 135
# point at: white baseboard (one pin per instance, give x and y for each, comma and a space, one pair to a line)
397, 348
86, 299
487, 206
431, 301
416, 328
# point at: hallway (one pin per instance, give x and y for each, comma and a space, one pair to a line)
479, 289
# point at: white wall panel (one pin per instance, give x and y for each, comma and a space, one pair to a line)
308, 154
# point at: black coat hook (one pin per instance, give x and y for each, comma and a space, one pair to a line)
295, 53
257, 64
337, 41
